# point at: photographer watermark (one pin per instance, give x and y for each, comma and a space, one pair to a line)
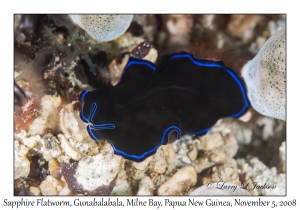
245, 185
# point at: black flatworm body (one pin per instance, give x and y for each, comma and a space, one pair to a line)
151, 106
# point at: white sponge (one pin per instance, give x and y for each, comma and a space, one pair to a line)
103, 27
265, 77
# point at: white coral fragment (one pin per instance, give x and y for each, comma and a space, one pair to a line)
74, 129
262, 180
146, 186
67, 147
282, 152
142, 165
71, 124
48, 118
22, 164
98, 170
179, 182
35, 191
103, 27
265, 77
47, 188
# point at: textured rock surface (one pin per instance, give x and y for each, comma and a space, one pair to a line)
34, 190
95, 175
74, 130
51, 148
245, 26
70, 125
47, 188
123, 186
98, 170
282, 152
227, 172
22, 164
261, 180
146, 186
48, 117
183, 179
68, 149
216, 148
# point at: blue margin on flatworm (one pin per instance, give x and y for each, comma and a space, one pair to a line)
217, 64
133, 62
82, 95
150, 152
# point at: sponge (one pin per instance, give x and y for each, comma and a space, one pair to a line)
103, 27
265, 77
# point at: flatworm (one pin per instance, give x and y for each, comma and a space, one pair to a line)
151, 106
